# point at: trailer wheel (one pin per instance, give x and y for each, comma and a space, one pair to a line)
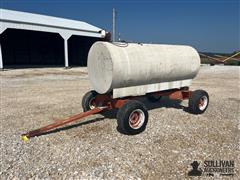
88, 101
198, 102
153, 98
132, 117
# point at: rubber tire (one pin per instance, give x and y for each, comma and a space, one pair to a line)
123, 117
86, 98
193, 103
154, 99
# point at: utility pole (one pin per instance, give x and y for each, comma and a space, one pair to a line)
113, 25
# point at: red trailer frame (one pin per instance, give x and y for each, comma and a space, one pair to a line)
105, 102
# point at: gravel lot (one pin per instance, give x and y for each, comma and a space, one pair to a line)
94, 149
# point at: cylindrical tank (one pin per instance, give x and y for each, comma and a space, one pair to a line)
118, 65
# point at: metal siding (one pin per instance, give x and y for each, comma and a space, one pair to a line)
43, 20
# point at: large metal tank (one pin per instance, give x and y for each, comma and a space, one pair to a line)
118, 65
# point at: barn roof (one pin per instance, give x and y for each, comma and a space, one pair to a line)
24, 20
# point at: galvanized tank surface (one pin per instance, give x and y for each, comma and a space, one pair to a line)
119, 65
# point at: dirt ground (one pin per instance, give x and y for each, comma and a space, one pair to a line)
94, 149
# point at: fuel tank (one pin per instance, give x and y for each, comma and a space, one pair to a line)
121, 65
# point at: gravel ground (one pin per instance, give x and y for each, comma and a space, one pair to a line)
94, 149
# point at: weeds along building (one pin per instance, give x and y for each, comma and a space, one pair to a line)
28, 39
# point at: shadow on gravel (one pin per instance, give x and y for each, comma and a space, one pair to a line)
164, 102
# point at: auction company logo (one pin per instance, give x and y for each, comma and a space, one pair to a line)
212, 167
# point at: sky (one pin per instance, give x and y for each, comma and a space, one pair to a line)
207, 25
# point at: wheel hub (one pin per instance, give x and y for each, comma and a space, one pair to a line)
203, 103
92, 103
136, 119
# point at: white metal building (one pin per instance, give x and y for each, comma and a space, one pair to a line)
27, 38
